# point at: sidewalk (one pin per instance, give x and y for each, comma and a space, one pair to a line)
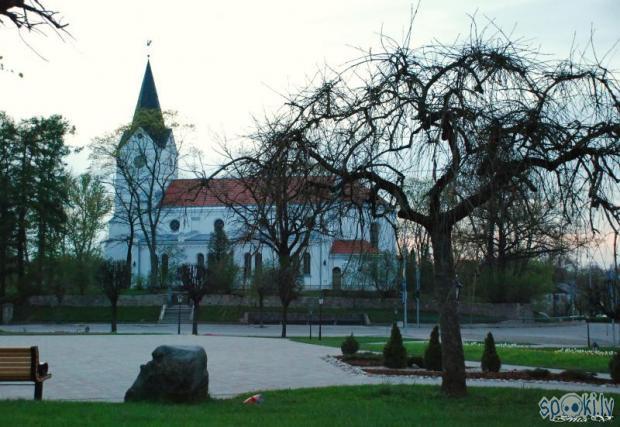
103, 367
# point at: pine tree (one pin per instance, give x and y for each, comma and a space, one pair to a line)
432, 354
394, 352
490, 359
349, 345
614, 367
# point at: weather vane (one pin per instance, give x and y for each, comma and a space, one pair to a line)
148, 44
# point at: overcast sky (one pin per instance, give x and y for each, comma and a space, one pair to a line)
220, 63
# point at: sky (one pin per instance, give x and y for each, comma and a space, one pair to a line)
221, 64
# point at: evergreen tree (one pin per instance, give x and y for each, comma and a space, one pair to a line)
490, 361
432, 354
394, 352
614, 367
221, 268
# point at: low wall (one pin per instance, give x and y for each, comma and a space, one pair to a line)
498, 311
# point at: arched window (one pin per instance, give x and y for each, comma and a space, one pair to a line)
336, 278
164, 267
200, 259
218, 224
374, 234
247, 264
258, 261
307, 264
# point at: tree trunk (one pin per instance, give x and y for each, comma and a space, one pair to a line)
195, 319
128, 258
284, 319
114, 315
452, 357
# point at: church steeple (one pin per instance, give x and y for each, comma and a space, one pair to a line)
148, 101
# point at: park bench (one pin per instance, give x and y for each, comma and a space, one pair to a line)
21, 364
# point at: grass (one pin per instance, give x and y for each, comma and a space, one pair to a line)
546, 357
85, 314
378, 405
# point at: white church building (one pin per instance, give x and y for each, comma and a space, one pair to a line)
186, 224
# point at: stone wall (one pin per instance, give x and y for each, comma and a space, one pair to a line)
498, 311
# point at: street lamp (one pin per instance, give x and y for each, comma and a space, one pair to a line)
320, 315
179, 301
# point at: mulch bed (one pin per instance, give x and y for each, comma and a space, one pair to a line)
507, 375
375, 367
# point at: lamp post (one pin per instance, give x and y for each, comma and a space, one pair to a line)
320, 315
179, 301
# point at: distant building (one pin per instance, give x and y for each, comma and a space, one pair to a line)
186, 223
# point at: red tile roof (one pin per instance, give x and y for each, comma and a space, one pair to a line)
346, 247
195, 192
199, 193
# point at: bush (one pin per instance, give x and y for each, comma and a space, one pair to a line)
432, 354
490, 361
394, 352
415, 360
349, 345
614, 367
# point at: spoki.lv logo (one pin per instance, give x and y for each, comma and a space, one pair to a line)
577, 407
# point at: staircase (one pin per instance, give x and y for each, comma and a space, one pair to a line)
170, 314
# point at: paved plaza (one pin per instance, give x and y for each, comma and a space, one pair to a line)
103, 367
557, 334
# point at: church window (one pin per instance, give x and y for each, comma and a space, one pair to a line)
336, 278
139, 161
175, 225
200, 259
307, 264
258, 261
247, 264
164, 266
374, 234
218, 224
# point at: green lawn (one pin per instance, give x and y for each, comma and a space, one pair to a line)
539, 357
380, 405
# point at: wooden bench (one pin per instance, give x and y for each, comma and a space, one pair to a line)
21, 364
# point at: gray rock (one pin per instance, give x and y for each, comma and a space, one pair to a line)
176, 374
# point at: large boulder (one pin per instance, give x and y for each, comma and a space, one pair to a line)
176, 374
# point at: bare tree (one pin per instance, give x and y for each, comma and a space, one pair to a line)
194, 279
113, 277
475, 118
29, 14
279, 202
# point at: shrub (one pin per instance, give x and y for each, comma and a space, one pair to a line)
394, 352
415, 360
349, 345
490, 359
614, 367
432, 354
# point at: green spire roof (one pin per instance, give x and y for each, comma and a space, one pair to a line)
148, 99
148, 114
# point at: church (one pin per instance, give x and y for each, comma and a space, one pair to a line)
184, 225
